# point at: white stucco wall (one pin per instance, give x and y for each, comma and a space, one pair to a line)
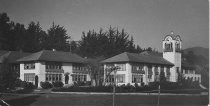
39, 71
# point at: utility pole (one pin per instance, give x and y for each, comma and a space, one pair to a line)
114, 86
159, 95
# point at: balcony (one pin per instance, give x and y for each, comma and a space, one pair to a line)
55, 70
85, 71
138, 71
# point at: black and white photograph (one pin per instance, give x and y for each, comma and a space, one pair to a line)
104, 53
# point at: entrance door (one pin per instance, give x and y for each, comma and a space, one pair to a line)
36, 81
66, 79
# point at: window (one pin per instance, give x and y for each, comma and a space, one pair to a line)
79, 67
110, 78
15, 67
79, 77
122, 67
137, 78
177, 46
156, 71
149, 72
109, 65
53, 65
168, 73
121, 78
156, 74
29, 76
138, 68
29, 66
53, 77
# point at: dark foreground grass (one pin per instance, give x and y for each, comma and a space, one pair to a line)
106, 100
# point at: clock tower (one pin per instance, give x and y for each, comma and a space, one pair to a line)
172, 52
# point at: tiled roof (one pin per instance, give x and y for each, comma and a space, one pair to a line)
56, 56
186, 65
140, 58
13, 56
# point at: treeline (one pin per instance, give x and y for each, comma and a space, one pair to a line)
14, 36
104, 43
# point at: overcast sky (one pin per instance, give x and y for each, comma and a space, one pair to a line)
148, 21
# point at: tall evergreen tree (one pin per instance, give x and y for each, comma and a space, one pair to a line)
7, 76
5, 32
33, 38
105, 43
57, 38
17, 40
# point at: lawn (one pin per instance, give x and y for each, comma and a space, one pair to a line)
105, 100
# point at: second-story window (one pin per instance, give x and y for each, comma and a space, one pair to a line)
138, 68
122, 67
53, 65
79, 67
29, 66
149, 72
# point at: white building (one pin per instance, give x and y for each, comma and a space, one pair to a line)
53, 66
145, 68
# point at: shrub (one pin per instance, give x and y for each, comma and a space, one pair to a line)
136, 85
82, 83
88, 83
18, 83
46, 85
57, 84
27, 85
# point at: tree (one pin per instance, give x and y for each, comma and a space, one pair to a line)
34, 38
7, 76
18, 39
5, 32
95, 70
57, 38
181, 79
108, 72
105, 43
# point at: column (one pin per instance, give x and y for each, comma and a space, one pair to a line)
104, 73
128, 75
159, 73
153, 73
145, 76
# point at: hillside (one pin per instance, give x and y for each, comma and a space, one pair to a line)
199, 51
200, 59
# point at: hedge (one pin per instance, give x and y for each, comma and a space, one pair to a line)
166, 87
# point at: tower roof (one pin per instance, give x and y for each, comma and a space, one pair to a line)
173, 36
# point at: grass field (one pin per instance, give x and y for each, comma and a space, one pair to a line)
104, 100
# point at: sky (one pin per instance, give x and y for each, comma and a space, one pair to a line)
148, 21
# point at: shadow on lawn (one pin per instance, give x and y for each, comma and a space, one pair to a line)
24, 101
